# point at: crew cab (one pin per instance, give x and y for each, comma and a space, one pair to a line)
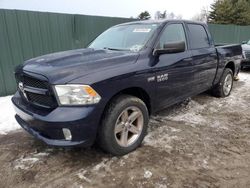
105, 93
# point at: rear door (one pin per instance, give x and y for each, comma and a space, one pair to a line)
174, 72
204, 57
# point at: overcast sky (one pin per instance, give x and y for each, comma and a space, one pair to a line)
116, 8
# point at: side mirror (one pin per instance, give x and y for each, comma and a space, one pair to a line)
170, 48
244, 42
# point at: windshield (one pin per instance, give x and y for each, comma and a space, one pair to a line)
248, 42
125, 37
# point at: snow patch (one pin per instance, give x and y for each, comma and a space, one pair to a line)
159, 185
160, 138
175, 130
26, 162
190, 114
102, 165
122, 163
218, 125
244, 76
7, 116
81, 175
147, 174
97, 170
204, 163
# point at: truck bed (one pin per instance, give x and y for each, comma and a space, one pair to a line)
228, 52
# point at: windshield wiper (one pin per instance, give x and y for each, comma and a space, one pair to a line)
115, 49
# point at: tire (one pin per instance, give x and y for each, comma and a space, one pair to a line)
224, 87
119, 111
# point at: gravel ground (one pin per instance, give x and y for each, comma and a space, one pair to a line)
202, 142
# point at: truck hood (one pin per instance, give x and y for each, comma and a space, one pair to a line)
63, 67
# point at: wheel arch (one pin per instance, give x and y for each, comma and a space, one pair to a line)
136, 92
231, 66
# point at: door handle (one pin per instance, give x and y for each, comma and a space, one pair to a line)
213, 55
188, 59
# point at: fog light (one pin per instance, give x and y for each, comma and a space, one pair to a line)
67, 134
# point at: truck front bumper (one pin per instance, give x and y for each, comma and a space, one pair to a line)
82, 122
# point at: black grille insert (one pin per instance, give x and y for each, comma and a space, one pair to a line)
33, 82
32, 91
41, 100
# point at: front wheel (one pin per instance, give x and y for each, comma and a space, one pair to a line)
124, 125
224, 87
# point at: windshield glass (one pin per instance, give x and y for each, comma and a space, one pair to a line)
125, 37
248, 42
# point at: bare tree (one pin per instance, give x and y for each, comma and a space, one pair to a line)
171, 16
179, 17
157, 15
202, 16
166, 15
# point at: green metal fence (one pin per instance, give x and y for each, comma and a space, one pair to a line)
229, 33
24, 35
27, 34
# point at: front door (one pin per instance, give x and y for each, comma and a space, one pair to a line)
174, 72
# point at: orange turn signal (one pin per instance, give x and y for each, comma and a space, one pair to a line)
90, 91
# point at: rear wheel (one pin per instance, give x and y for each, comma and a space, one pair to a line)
124, 125
224, 87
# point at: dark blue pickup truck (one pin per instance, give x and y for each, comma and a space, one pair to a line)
105, 93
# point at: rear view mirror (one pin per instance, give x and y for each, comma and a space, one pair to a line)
169, 48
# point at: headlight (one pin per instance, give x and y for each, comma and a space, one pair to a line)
76, 95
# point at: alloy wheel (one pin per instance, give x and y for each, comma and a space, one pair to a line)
128, 127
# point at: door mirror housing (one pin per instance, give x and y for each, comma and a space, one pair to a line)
170, 48
244, 42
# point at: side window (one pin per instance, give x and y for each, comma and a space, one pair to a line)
198, 36
172, 33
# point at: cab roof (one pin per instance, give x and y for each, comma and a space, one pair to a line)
162, 22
